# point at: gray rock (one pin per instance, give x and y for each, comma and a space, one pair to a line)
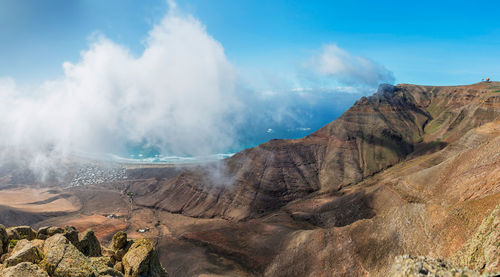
48, 231
54, 230
423, 266
42, 233
24, 251
4, 240
142, 260
21, 232
88, 244
62, 259
118, 256
119, 241
71, 234
119, 266
104, 267
23, 270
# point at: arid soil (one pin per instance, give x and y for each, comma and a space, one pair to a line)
412, 170
43, 199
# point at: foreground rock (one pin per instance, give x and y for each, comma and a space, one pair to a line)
483, 249
141, 260
422, 266
21, 232
24, 251
4, 240
63, 259
45, 232
66, 253
24, 270
88, 244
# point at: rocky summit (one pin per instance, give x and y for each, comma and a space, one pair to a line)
58, 252
405, 183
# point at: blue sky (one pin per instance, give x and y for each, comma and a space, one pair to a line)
425, 42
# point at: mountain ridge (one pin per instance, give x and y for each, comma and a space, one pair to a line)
376, 133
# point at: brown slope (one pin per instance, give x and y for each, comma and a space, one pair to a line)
359, 229
458, 188
376, 133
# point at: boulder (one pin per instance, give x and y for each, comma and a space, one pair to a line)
71, 234
141, 260
88, 244
38, 243
24, 251
3, 258
119, 241
407, 265
106, 251
21, 232
118, 256
57, 252
24, 269
119, 266
48, 231
4, 240
54, 230
104, 267
62, 258
42, 233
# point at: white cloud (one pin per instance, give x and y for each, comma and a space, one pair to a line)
178, 95
334, 62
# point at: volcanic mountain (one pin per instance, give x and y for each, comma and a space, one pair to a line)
410, 170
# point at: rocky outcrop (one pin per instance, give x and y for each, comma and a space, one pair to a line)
422, 266
62, 258
104, 267
71, 234
72, 254
48, 231
405, 266
24, 251
141, 260
24, 269
4, 240
21, 232
119, 241
88, 244
482, 251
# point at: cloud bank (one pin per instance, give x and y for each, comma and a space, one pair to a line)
335, 62
178, 95
181, 96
